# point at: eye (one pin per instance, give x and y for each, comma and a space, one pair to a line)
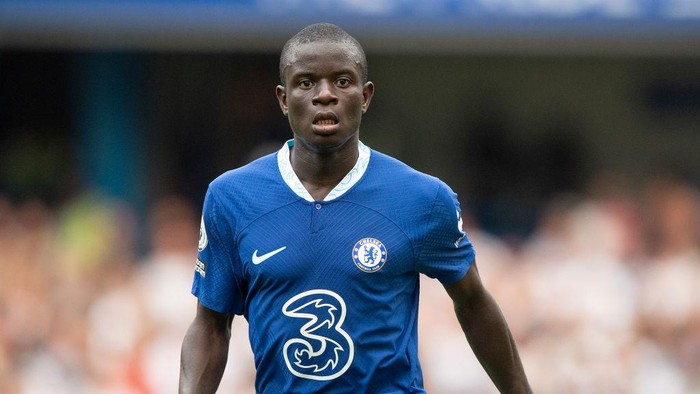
343, 82
305, 84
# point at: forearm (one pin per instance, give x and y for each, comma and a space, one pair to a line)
203, 359
492, 342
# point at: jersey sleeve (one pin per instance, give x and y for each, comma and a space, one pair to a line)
217, 280
446, 253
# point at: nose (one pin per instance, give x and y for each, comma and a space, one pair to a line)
325, 93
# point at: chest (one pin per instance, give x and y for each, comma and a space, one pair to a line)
324, 245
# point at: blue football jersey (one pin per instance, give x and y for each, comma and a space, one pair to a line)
329, 288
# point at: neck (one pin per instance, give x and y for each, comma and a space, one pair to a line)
321, 172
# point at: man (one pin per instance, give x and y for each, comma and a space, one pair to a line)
320, 245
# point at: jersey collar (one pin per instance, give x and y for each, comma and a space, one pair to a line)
290, 177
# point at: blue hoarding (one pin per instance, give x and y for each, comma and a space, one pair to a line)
256, 24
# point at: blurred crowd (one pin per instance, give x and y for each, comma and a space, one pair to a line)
603, 297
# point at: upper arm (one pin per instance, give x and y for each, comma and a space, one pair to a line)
468, 292
488, 333
206, 341
213, 321
204, 351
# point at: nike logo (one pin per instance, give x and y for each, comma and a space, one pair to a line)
259, 259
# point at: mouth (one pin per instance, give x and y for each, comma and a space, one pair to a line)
325, 122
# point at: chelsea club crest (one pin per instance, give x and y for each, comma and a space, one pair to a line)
369, 254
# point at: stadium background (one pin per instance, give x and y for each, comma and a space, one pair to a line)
570, 130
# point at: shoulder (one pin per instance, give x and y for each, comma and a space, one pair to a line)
249, 191
253, 174
399, 192
397, 175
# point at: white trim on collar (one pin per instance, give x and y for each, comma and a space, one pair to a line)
290, 177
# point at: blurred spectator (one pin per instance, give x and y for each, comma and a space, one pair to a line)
669, 313
163, 280
583, 300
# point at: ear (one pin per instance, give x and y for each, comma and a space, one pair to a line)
367, 93
282, 98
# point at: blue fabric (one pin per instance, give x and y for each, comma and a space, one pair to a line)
332, 303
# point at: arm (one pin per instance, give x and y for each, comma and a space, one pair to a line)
204, 351
487, 333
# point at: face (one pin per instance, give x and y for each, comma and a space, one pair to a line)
324, 96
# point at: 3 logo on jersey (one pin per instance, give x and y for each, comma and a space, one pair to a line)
321, 349
369, 254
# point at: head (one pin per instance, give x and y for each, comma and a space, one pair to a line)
322, 32
324, 89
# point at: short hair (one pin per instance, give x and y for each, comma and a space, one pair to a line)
321, 32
